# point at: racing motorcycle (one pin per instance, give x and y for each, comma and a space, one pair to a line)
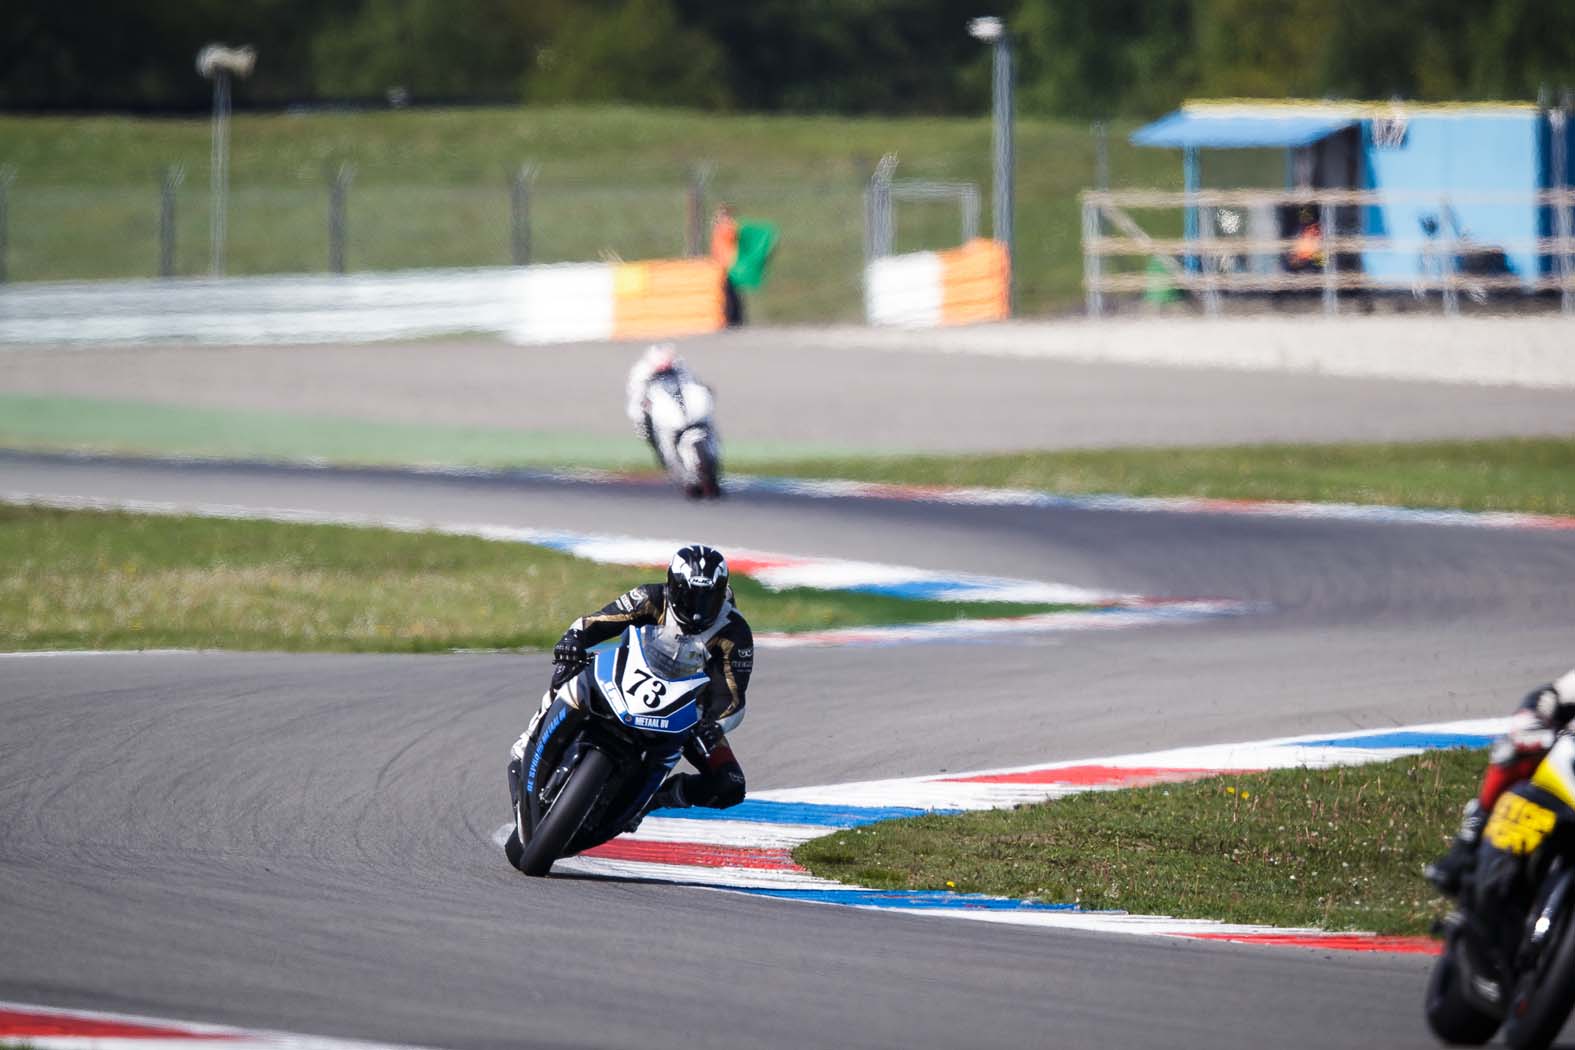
596, 753
1516, 971
685, 438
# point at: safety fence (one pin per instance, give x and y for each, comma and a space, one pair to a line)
529, 304
390, 218
926, 289
1214, 244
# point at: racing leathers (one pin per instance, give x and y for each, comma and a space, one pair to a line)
658, 365
730, 657
1544, 713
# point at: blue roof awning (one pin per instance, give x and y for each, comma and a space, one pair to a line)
1190, 130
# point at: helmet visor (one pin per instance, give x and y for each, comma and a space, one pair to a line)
695, 605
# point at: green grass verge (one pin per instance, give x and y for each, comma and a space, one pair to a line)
431, 189
1340, 849
111, 425
85, 579
1511, 474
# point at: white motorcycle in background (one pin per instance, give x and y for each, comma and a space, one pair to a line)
679, 409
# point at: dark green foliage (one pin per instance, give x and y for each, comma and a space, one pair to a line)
1100, 58
423, 49
634, 51
849, 56
1084, 57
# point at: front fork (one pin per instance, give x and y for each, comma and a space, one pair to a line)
520, 747
535, 772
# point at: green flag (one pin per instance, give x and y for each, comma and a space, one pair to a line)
756, 242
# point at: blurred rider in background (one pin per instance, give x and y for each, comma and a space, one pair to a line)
659, 359
697, 600
659, 364
1543, 714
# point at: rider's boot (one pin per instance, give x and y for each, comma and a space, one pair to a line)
669, 796
1448, 872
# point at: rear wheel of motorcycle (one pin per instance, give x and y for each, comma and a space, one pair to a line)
1543, 998
1451, 1017
567, 813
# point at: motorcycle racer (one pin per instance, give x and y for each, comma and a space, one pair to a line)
696, 600
672, 411
1542, 715
659, 363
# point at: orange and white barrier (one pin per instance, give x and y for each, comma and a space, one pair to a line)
927, 289
527, 304
667, 297
639, 300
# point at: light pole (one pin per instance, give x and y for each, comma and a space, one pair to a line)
992, 30
219, 63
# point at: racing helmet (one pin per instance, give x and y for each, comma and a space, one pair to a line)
696, 587
662, 357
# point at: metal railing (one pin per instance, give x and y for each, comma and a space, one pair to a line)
885, 191
1213, 264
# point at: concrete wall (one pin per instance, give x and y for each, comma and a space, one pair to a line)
1517, 351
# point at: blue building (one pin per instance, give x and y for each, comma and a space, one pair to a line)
1461, 174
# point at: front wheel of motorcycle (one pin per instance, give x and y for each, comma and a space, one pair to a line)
1544, 997
710, 484
1451, 1017
514, 850
568, 812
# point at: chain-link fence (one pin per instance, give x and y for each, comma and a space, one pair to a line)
360, 219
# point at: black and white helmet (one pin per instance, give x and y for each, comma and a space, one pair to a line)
696, 587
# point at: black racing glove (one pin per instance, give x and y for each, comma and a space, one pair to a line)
568, 657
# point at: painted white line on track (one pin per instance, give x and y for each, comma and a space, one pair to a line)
48, 653
1034, 498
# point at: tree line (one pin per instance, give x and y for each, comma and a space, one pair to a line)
1093, 58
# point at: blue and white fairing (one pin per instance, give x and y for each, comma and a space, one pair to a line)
653, 680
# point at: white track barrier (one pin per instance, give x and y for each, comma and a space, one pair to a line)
929, 289
532, 304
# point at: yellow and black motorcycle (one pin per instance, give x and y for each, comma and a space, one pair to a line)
1509, 948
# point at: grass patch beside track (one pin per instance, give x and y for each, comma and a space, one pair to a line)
1340, 849
1511, 474
120, 427
1529, 475
102, 580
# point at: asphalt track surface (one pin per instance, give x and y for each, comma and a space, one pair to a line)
787, 388
302, 842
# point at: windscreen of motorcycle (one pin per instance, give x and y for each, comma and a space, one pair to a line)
653, 679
